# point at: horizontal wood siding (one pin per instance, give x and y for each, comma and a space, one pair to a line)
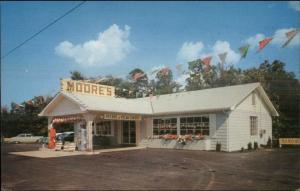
221, 132
259, 106
146, 130
173, 144
239, 124
65, 107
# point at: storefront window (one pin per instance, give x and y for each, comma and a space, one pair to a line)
194, 125
103, 128
165, 126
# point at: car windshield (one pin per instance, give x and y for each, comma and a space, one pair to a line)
61, 136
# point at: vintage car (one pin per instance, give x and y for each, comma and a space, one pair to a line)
62, 136
43, 140
23, 138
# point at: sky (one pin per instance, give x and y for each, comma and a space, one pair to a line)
102, 38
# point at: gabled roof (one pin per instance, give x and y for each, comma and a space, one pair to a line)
215, 99
102, 103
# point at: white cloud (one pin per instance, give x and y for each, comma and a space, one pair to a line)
111, 47
190, 51
295, 5
224, 46
254, 40
280, 38
181, 79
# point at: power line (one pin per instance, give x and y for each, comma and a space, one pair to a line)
43, 29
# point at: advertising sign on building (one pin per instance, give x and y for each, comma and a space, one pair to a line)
82, 87
110, 116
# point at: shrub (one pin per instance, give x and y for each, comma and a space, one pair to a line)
255, 145
249, 146
218, 146
269, 143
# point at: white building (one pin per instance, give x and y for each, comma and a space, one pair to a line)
232, 116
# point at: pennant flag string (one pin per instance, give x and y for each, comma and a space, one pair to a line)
138, 75
179, 69
263, 43
223, 57
165, 71
244, 50
206, 61
290, 35
198, 63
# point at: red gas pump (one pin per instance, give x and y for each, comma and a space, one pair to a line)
52, 137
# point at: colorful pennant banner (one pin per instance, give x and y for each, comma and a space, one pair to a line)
263, 43
206, 61
223, 57
290, 35
165, 71
138, 75
244, 50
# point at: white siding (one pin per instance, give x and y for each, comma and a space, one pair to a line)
65, 107
212, 125
146, 131
221, 132
138, 132
246, 104
172, 144
239, 124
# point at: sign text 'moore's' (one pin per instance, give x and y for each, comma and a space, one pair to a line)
87, 88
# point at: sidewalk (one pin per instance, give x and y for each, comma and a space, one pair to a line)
48, 153
118, 149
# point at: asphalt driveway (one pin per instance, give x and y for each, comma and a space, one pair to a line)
152, 169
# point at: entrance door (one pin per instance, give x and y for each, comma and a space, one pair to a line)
128, 132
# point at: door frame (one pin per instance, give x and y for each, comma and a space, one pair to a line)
129, 138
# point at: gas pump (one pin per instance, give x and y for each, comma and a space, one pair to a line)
52, 137
81, 138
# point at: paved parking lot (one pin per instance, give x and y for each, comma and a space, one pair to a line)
152, 169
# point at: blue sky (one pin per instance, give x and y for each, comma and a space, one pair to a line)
147, 35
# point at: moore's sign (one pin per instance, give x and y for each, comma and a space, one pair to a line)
86, 88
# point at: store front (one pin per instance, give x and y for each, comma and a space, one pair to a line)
196, 120
105, 132
114, 133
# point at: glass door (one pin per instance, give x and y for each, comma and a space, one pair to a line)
128, 132
125, 132
132, 132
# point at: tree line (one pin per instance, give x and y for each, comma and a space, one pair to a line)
282, 87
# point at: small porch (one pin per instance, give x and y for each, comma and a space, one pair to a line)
94, 131
98, 121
